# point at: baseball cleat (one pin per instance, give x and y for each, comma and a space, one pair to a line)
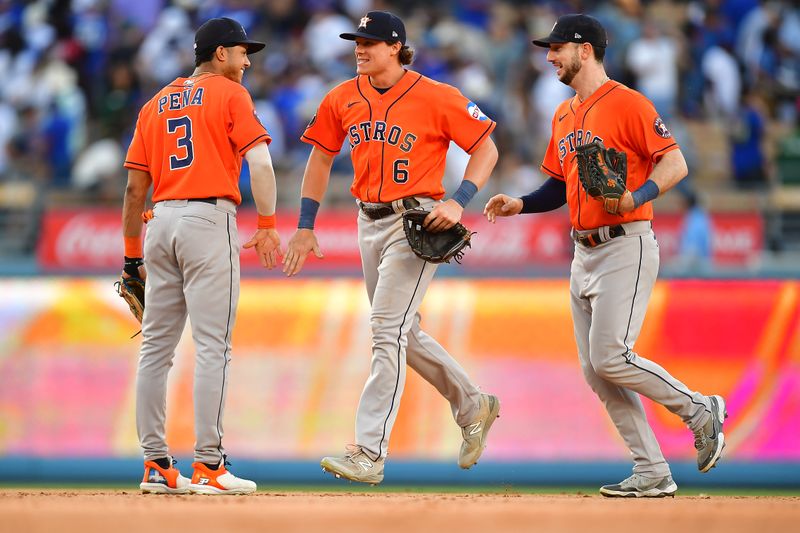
158, 480
474, 433
709, 439
217, 482
638, 486
355, 465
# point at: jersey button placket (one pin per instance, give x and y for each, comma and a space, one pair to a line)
376, 153
376, 170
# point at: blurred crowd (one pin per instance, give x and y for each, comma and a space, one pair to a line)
77, 71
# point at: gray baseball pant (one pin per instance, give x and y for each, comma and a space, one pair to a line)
396, 281
191, 253
610, 286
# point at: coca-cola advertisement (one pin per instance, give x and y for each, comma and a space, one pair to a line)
90, 241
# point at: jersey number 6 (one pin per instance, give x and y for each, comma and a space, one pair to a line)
400, 170
184, 142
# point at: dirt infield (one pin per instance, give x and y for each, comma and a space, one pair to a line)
87, 511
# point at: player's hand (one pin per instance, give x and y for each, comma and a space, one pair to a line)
267, 243
302, 242
142, 273
502, 205
625, 203
444, 216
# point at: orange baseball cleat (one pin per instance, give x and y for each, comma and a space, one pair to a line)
157, 480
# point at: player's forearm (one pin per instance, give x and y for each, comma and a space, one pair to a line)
133, 203
551, 195
262, 179
669, 171
315, 183
132, 208
481, 163
316, 176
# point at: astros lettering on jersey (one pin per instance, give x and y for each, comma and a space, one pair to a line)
627, 121
399, 144
171, 130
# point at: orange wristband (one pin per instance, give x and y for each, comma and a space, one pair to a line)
266, 222
133, 246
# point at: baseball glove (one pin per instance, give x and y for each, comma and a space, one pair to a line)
435, 247
603, 173
132, 291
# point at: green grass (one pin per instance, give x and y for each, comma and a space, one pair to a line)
389, 489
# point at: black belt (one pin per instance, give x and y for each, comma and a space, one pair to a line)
212, 201
378, 211
594, 238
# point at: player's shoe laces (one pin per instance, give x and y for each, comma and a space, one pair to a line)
638, 486
709, 439
355, 465
475, 433
208, 481
158, 480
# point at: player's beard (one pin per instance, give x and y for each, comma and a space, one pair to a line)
571, 69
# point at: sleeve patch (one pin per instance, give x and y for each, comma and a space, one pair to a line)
661, 128
474, 111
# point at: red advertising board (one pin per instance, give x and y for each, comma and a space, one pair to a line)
90, 240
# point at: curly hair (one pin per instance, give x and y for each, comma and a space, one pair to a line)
406, 55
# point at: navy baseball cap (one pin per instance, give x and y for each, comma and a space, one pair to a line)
380, 26
575, 28
223, 31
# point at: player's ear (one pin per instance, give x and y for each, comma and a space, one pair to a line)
221, 53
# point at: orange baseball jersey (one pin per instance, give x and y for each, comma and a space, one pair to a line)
191, 138
398, 139
623, 119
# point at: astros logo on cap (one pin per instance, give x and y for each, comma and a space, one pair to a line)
364, 21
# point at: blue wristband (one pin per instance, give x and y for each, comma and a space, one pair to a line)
647, 192
308, 213
465, 193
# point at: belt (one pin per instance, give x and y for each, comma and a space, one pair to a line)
598, 236
378, 211
212, 201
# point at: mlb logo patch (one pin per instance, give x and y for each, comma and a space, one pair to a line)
661, 128
475, 112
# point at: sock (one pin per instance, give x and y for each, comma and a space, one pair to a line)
164, 463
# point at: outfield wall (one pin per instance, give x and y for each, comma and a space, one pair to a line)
301, 355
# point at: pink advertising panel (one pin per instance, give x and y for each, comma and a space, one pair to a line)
301, 355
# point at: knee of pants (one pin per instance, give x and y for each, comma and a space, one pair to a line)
386, 340
591, 377
606, 366
154, 356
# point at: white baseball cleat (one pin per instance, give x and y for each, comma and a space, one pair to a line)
709, 440
474, 433
355, 465
217, 482
638, 486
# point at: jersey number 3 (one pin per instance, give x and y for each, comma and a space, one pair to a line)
184, 142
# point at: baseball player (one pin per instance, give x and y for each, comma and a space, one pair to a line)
399, 125
616, 254
189, 142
